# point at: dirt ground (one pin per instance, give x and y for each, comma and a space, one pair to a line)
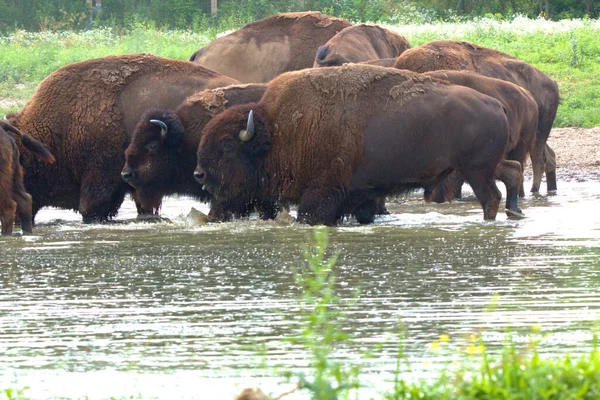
577, 153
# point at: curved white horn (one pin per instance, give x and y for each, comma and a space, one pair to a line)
163, 126
248, 133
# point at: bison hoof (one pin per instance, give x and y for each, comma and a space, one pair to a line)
514, 214
552, 193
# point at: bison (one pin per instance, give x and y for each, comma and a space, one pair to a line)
522, 113
384, 62
261, 50
457, 55
161, 157
86, 112
360, 43
14, 199
334, 140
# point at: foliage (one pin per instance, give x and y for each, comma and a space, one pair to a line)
322, 324
568, 51
186, 14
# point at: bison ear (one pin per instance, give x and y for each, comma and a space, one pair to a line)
259, 142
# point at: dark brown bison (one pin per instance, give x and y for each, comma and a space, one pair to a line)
86, 112
333, 140
161, 157
522, 113
359, 43
456, 55
261, 50
14, 199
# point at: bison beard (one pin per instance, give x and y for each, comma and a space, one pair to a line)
333, 140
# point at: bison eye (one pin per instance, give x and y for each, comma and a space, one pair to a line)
152, 146
227, 147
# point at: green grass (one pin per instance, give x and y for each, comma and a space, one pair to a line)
568, 51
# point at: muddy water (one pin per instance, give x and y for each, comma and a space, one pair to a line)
170, 310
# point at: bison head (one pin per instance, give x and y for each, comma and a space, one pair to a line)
152, 160
231, 155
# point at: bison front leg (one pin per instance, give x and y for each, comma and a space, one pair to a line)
218, 212
101, 196
268, 209
319, 207
509, 172
365, 213
482, 183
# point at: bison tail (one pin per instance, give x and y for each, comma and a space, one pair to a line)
36, 147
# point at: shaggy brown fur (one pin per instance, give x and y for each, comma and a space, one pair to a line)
260, 51
360, 43
85, 113
456, 55
14, 199
522, 113
334, 139
168, 168
384, 62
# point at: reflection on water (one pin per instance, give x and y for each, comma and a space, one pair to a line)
168, 310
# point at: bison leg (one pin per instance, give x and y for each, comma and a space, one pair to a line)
23, 200
218, 213
100, 198
381, 208
519, 154
317, 207
449, 188
509, 172
267, 210
365, 213
486, 191
550, 169
543, 159
8, 217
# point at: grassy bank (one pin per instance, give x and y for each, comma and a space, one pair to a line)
569, 51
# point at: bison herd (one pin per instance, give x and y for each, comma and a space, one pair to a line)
296, 109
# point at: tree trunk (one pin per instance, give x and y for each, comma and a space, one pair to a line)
513, 6
213, 7
547, 9
588, 7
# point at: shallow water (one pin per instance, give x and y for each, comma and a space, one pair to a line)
169, 310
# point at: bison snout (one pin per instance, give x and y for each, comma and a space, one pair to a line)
127, 174
200, 176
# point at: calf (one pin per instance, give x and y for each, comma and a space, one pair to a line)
13, 196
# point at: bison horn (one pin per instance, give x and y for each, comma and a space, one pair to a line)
163, 126
248, 133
